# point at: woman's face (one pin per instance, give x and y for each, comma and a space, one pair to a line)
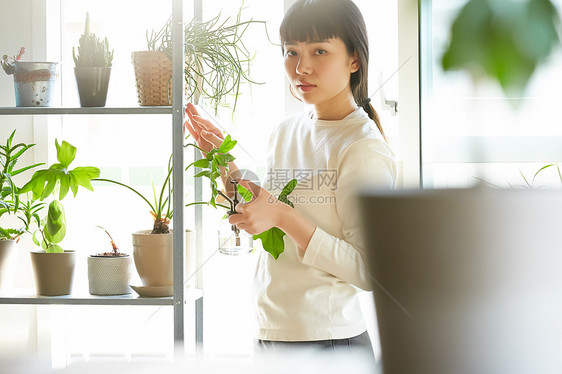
319, 71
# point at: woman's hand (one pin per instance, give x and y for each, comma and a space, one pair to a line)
205, 134
260, 214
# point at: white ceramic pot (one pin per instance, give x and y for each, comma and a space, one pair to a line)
153, 255
466, 281
54, 272
8, 260
109, 275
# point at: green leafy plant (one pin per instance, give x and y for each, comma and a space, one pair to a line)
10, 203
216, 60
59, 176
505, 40
211, 165
92, 51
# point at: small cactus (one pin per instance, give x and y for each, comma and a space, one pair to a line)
92, 51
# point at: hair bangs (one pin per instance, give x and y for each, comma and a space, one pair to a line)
311, 20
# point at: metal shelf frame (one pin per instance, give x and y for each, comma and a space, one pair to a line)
20, 111
181, 294
27, 297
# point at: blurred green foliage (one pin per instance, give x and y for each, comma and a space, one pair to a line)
503, 39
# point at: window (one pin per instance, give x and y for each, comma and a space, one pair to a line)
135, 149
472, 131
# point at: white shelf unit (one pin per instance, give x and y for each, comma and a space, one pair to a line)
182, 294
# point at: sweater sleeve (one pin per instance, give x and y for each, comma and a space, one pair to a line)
367, 162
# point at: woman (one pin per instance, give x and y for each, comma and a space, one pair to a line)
309, 294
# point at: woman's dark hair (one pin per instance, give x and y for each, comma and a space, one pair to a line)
308, 20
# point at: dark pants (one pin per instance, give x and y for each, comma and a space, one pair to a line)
360, 344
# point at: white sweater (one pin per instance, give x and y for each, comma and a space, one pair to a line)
315, 297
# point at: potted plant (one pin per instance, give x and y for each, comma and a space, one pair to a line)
153, 249
216, 62
93, 68
10, 205
53, 266
34, 82
109, 273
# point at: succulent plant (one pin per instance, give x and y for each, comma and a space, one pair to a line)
92, 51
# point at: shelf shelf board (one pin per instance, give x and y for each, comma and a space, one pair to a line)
28, 297
85, 111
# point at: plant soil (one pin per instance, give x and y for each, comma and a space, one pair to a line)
161, 227
110, 254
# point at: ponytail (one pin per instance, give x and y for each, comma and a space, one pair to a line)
372, 113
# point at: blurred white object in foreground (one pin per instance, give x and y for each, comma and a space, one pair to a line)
291, 361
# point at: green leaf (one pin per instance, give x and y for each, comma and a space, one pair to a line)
65, 153
203, 163
64, 186
56, 211
36, 241
272, 241
244, 192
16, 172
227, 157
289, 187
82, 176
284, 195
204, 173
55, 225
211, 154
55, 236
504, 40
227, 145
54, 248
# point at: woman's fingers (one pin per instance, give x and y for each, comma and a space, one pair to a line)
250, 186
188, 126
191, 108
203, 131
235, 219
211, 138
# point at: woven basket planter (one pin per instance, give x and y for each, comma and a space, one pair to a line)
153, 75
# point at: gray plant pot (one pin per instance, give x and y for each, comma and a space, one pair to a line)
8, 257
53, 272
92, 83
34, 83
466, 281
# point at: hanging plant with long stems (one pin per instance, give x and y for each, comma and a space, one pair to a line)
217, 61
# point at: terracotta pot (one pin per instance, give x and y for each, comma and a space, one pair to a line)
153, 255
8, 258
53, 272
109, 275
